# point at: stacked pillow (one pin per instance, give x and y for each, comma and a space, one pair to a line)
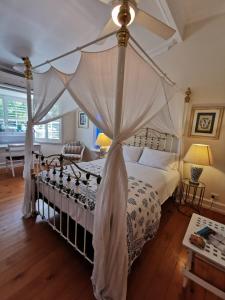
158, 159
132, 153
149, 157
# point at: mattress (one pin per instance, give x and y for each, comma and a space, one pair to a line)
164, 182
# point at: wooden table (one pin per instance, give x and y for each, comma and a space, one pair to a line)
209, 254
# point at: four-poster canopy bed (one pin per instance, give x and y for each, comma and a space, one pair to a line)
65, 192
121, 93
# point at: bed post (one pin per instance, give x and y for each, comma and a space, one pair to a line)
28, 77
122, 38
187, 100
109, 276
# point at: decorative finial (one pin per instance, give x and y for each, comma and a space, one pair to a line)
28, 66
124, 18
188, 95
122, 36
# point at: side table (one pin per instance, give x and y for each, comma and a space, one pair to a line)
192, 194
98, 153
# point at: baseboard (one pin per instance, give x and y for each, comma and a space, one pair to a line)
214, 205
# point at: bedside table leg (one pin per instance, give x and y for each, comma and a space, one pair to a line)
188, 267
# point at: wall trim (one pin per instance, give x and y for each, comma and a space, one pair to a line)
215, 205
169, 19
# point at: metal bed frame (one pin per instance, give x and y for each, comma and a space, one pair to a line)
60, 221
148, 137
51, 212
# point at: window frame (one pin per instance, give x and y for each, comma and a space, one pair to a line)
47, 140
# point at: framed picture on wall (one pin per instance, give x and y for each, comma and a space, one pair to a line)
206, 121
83, 121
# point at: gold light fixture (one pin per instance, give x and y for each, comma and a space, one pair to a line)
115, 13
198, 154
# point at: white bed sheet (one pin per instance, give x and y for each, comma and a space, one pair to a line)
164, 182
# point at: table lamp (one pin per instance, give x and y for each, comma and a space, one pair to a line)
198, 154
103, 142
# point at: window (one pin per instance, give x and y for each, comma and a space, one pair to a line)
13, 120
50, 132
13, 113
96, 133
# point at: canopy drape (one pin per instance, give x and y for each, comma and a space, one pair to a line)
51, 101
121, 93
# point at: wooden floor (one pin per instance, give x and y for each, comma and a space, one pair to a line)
35, 263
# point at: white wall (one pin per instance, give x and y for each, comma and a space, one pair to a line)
86, 136
199, 62
213, 177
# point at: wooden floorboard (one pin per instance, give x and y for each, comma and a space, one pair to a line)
36, 263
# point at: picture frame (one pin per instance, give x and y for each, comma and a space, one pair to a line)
206, 121
83, 121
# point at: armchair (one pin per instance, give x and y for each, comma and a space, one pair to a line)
73, 150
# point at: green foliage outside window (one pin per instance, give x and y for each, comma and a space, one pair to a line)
13, 115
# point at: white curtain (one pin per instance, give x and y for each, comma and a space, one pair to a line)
51, 101
120, 94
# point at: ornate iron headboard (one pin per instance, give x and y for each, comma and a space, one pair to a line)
147, 137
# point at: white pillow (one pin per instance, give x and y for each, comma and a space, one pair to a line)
132, 153
158, 159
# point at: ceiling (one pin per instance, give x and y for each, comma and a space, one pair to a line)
44, 29
200, 10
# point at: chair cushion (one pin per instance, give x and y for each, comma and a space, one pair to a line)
72, 156
21, 157
72, 149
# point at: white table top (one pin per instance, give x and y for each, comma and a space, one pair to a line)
210, 252
5, 146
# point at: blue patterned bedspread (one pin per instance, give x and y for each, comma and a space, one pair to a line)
143, 209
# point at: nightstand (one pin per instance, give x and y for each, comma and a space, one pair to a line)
192, 195
98, 153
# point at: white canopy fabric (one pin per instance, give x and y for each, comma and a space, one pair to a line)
170, 118
51, 101
121, 93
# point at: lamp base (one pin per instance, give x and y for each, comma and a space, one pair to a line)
195, 175
103, 151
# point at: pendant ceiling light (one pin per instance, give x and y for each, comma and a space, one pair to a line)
115, 12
